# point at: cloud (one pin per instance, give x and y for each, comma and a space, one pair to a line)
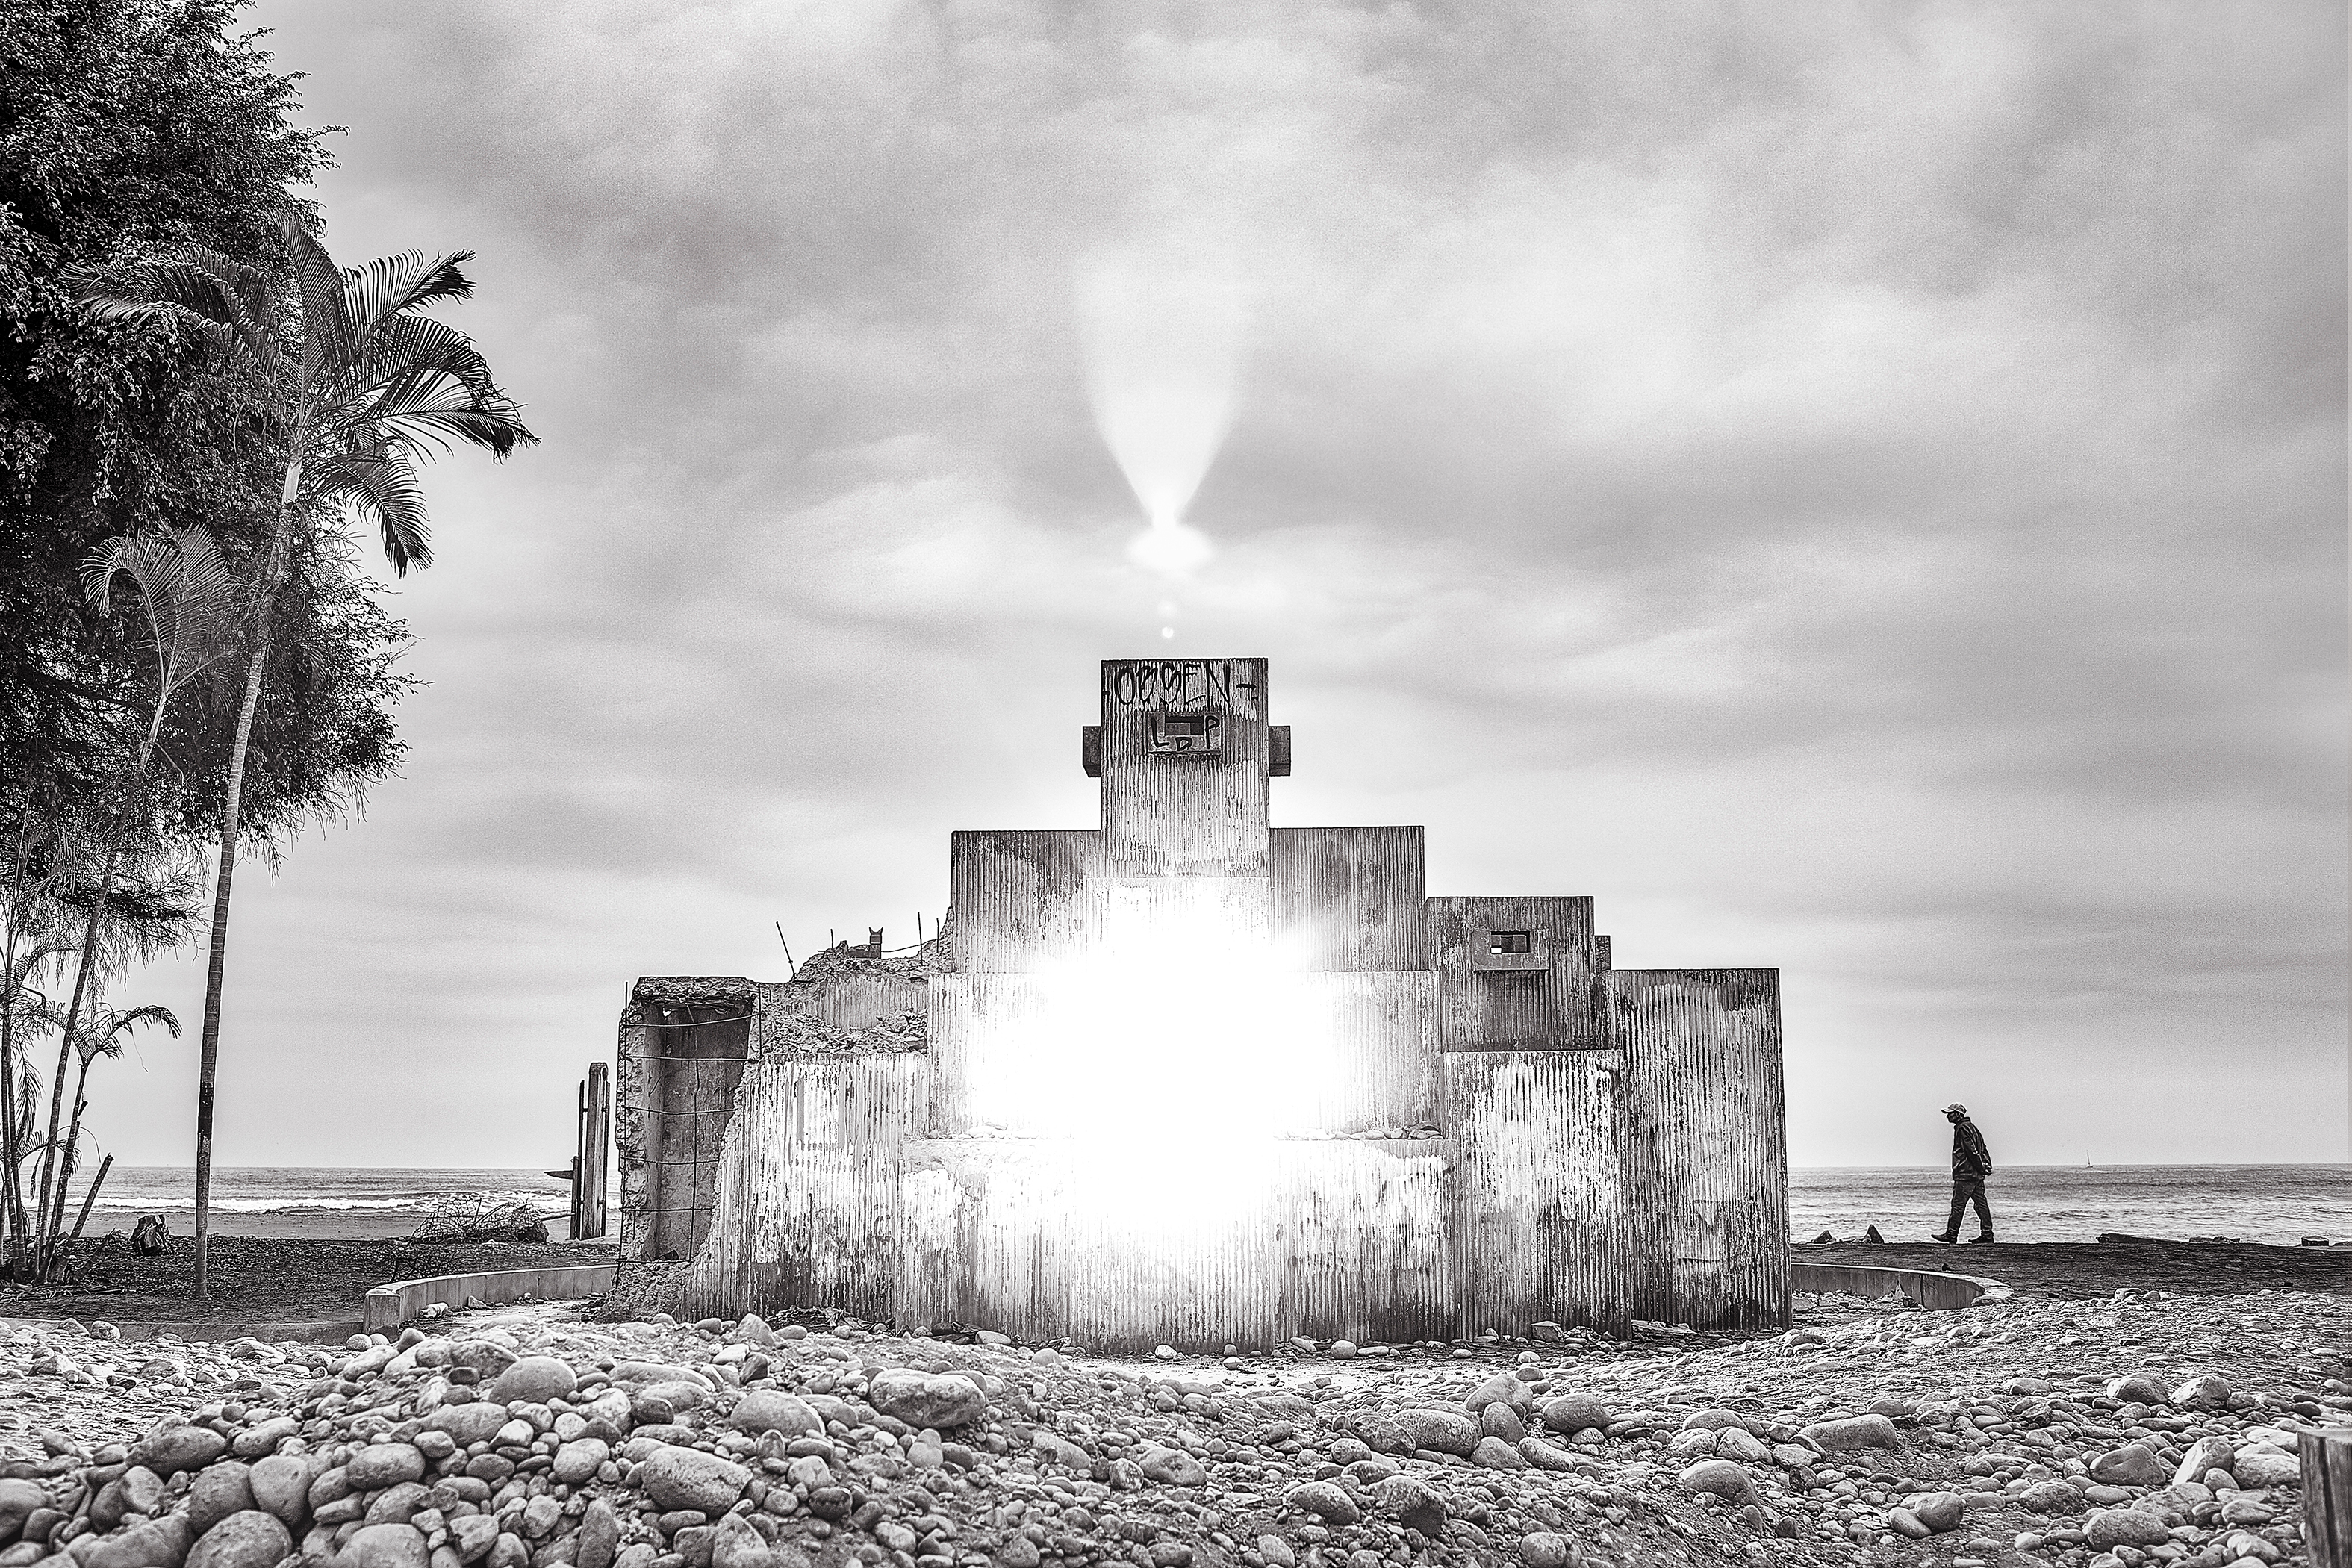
1857, 491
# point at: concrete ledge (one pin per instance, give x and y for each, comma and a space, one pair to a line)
1944, 1292
389, 1306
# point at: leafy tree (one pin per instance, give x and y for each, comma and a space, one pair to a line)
359, 384
135, 128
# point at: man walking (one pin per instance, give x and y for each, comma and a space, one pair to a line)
1971, 1163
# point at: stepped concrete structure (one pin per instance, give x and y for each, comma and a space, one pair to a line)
1189, 1078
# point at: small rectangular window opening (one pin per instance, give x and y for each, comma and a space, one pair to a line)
1191, 726
1510, 941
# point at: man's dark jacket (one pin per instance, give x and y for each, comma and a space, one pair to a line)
1971, 1162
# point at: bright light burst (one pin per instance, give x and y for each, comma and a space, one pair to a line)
1173, 1061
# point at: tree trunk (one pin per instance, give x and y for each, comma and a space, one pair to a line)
89, 1199
12, 1206
50, 1153
54, 1223
216, 959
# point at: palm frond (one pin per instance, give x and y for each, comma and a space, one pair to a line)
392, 285
381, 484
329, 337
224, 301
105, 1033
186, 590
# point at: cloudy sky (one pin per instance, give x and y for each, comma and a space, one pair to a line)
1854, 489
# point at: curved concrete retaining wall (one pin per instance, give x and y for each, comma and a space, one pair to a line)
1942, 1291
389, 1306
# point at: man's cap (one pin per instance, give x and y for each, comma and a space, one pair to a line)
1956, 1108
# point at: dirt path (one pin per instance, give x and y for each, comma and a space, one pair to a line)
2079, 1270
262, 1284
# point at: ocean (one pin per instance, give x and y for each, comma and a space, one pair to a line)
2030, 1203
356, 1203
2075, 1203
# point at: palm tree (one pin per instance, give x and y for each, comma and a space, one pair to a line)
25, 1013
189, 599
102, 1036
362, 386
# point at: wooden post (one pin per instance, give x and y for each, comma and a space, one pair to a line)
2327, 1495
596, 1143
579, 1149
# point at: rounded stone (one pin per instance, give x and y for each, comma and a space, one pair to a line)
678, 1478
281, 1487
177, 1449
1499, 1420
2126, 1527
2137, 1390
246, 1539
1494, 1454
1574, 1412
383, 1546
1502, 1388
1854, 1432
771, 1410
381, 1465
18, 1499
577, 1462
1739, 1443
2265, 1469
476, 1422
536, 1378
2050, 1496
221, 1491
1171, 1466
1713, 1420
1939, 1511
2208, 1392
1544, 1549
1544, 1456
1439, 1431
1326, 1500
2133, 1465
262, 1437
1721, 1476
924, 1399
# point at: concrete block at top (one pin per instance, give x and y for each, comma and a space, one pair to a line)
1186, 754
1707, 1152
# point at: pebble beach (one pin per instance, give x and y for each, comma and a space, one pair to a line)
2142, 1427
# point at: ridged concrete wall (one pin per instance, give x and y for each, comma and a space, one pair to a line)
809, 1183
1539, 1224
1350, 897
1707, 1154
1126, 1247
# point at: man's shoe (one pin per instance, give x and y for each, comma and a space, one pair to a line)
1979, 1240
1947, 1240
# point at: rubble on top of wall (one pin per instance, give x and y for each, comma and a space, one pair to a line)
842, 961
788, 1032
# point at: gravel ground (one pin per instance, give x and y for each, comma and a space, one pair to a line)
1866, 1433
